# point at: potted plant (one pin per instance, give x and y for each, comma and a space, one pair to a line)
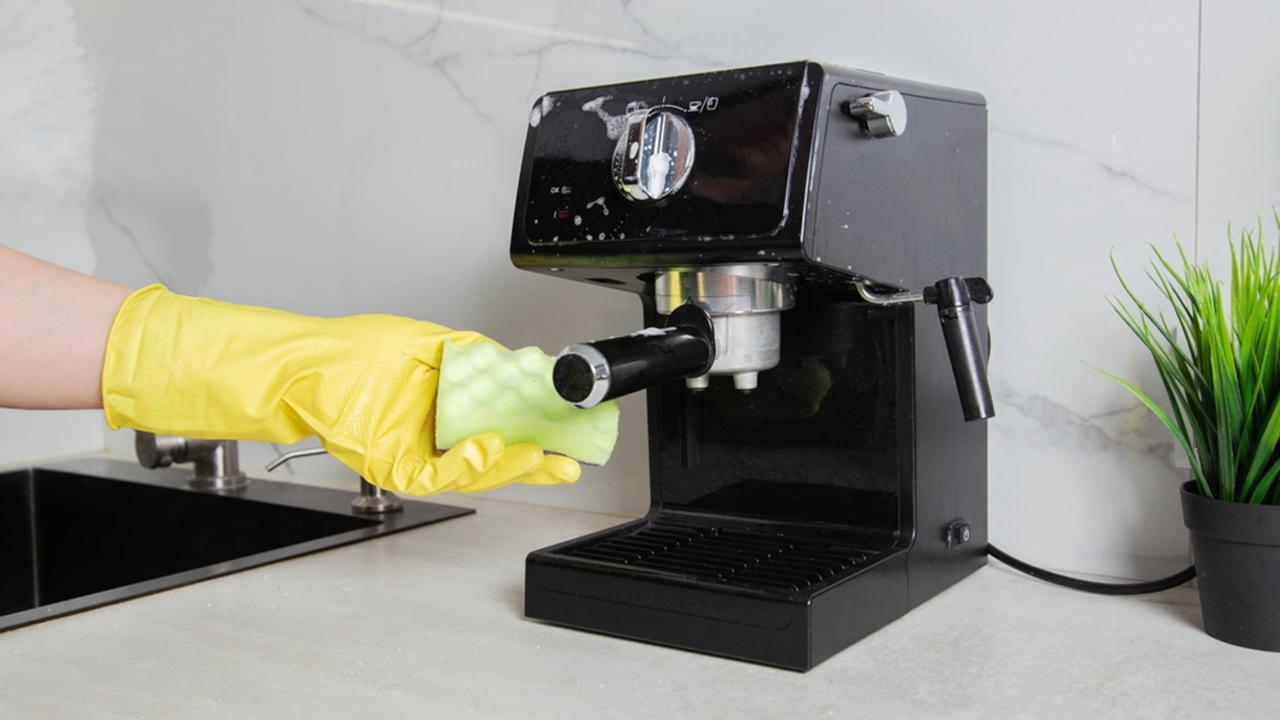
1219, 360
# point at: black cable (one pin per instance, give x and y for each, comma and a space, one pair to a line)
1137, 588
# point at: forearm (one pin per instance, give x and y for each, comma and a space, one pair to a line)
54, 324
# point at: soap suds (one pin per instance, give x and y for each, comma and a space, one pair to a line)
652, 332
540, 110
656, 171
613, 124
604, 209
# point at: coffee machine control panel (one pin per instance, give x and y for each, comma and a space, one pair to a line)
693, 159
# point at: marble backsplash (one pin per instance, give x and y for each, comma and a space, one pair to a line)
342, 156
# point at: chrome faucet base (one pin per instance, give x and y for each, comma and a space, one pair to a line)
219, 468
216, 462
219, 483
373, 500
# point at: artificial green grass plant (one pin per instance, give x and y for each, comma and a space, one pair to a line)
1220, 365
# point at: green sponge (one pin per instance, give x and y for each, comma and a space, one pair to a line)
484, 388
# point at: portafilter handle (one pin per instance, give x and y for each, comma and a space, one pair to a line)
954, 298
590, 373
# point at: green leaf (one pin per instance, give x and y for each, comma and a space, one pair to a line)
1259, 493
1218, 359
1265, 451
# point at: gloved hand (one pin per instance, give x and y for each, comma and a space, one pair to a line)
365, 384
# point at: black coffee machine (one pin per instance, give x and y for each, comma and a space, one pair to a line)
812, 472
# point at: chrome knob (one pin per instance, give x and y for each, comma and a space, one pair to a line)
159, 451
882, 114
654, 155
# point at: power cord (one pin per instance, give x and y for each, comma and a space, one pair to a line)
1137, 588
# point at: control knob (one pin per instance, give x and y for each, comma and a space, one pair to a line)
882, 114
654, 155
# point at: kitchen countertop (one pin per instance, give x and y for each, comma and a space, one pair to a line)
428, 623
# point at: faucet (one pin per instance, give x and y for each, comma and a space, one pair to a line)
372, 499
216, 462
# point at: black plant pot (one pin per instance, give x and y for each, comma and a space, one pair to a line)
1237, 550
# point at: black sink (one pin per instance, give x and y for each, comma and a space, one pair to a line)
85, 533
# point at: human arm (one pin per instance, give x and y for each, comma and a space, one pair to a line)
167, 363
53, 328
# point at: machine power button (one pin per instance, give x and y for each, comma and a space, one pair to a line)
957, 532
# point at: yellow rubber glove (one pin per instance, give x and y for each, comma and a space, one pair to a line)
366, 385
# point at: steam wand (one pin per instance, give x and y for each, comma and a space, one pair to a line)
954, 298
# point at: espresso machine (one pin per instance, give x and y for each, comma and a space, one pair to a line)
808, 243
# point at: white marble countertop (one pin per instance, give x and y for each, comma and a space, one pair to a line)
428, 623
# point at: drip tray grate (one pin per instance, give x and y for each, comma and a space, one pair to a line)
730, 557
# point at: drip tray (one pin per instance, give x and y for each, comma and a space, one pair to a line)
787, 595
718, 555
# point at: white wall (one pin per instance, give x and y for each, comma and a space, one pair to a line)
46, 133
339, 156
1239, 121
